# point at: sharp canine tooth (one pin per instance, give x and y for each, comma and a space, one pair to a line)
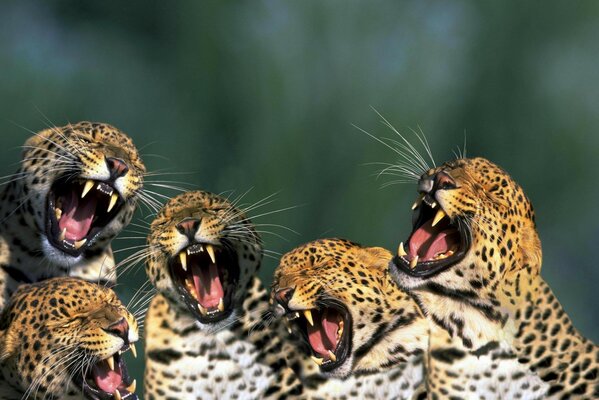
417, 202
401, 251
62, 235
317, 360
80, 243
133, 350
221, 305
113, 200
414, 262
434, 204
183, 259
439, 216
210, 251
110, 361
308, 315
117, 394
332, 356
203, 310
88, 186
131, 388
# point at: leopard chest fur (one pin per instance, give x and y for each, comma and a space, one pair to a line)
491, 371
185, 362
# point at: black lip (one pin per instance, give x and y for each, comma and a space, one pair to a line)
230, 286
428, 269
52, 230
345, 344
93, 393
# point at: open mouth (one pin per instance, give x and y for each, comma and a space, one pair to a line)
206, 276
327, 331
436, 242
108, 379
77, 212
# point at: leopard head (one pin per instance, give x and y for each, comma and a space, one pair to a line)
339, 299
203, 252
81, 183
65, 336
473, 236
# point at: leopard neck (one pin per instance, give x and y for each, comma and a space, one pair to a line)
401, 336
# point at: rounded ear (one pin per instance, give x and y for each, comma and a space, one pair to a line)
531, 248
377, 257
6, 343
38, 138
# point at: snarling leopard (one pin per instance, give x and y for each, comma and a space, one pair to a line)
66, 338
473, 262
359, 336
207, 335
76, 189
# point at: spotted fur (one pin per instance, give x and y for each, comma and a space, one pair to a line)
75, 151
497, 330
53, 331
235, 358
388, 332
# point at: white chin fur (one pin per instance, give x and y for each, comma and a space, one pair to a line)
57, 257
405, 281
218, 326
342, 371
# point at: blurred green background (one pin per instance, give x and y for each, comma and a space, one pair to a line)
262, 95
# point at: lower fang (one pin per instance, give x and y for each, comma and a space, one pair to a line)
117, 394
131, 388
414, 262
203, 310
221, 305
332, 356
401, 251
80, 243
317, 360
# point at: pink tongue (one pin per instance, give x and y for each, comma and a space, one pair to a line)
77, 217
105, 379
427, 242
208, 285
323, 335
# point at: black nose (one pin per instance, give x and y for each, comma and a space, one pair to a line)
120, 329
283, 296
189, 227
441, 180
117, 167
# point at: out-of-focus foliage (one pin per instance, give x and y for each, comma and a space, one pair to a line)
262, 95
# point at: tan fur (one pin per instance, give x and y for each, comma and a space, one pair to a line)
79, 151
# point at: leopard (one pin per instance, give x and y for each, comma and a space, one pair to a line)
76, 189
207, 327
357, 335
66, 338
473, 264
